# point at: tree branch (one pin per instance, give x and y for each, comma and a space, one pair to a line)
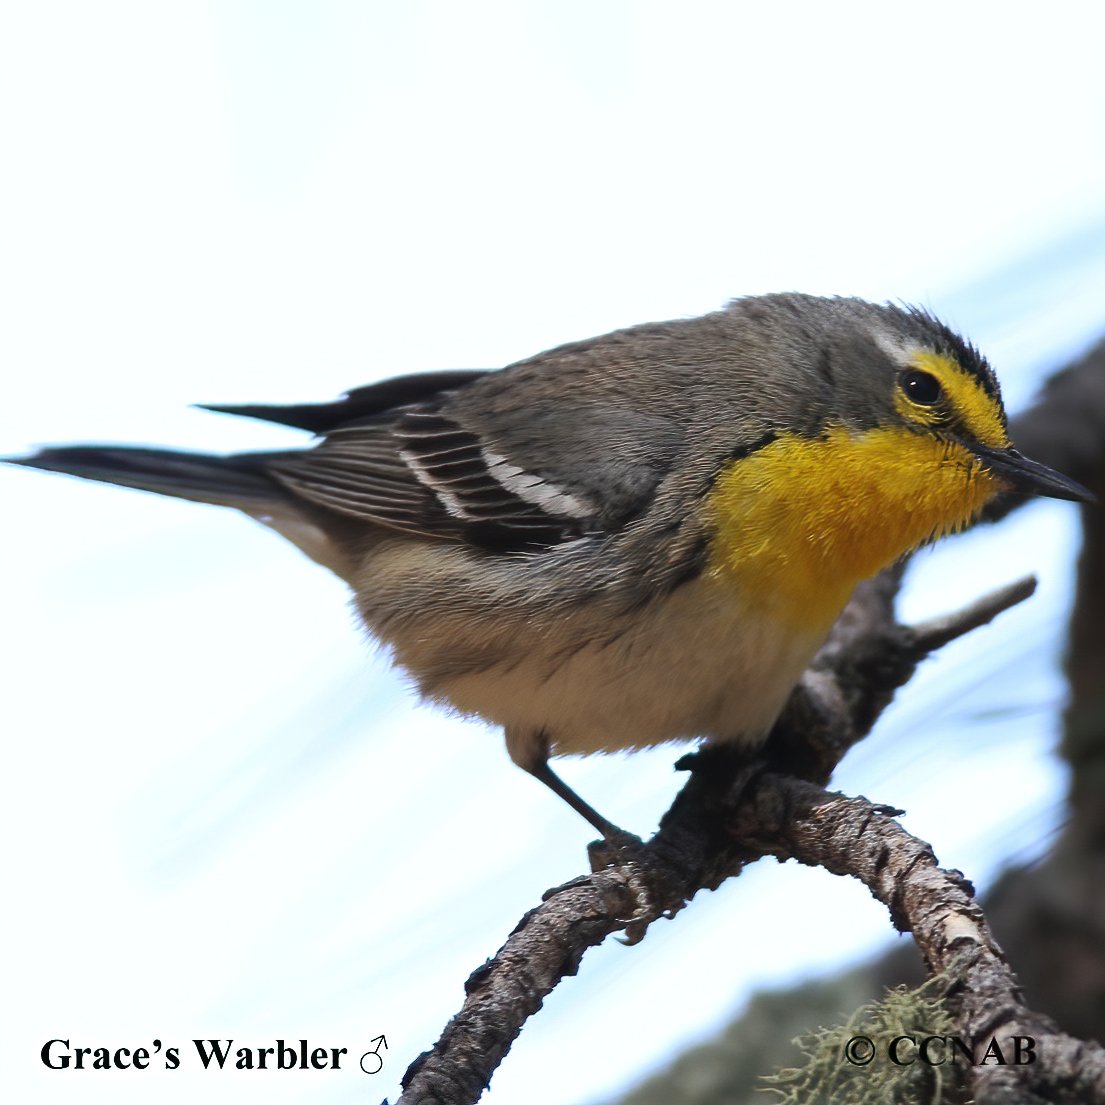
793, 819
938, 632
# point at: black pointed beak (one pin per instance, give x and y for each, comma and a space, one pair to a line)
1030, 476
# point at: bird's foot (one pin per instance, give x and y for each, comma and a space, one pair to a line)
617, 848
625, 852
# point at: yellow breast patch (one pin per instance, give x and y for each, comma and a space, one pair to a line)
801, 521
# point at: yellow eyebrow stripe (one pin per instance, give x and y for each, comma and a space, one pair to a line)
979, 412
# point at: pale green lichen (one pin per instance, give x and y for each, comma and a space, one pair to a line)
828, 1078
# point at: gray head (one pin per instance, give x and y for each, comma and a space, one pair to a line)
847, 362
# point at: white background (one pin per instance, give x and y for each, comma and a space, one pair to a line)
222, 815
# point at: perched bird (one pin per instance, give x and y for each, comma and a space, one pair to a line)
634, 539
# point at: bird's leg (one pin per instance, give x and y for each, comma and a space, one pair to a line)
617, 848
531, 752
542, 771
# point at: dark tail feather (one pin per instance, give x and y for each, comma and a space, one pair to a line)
237, 481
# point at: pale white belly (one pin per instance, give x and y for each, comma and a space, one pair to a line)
696, 664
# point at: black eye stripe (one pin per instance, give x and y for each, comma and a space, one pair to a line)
921, 387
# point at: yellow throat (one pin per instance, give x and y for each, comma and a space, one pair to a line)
801, 521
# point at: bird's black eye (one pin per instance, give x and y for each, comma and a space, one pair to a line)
921, 387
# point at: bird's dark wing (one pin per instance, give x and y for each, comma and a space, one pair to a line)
450, 467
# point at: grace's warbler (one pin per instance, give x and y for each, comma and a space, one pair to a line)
632, 539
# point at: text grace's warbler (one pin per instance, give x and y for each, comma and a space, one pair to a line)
633, 539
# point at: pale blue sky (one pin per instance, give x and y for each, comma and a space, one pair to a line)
224, 817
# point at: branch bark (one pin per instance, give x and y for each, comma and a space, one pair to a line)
852, 836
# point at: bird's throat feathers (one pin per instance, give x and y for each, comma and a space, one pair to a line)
801, 521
